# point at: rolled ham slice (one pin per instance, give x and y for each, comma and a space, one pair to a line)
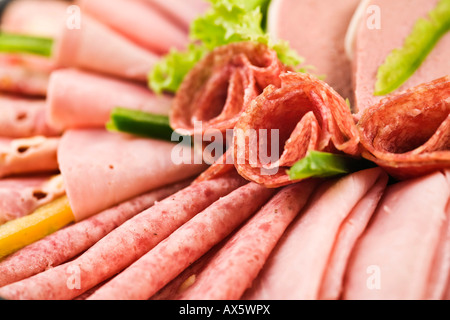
220, 87
373, 45
188, 243
408, 134
101, 169
138, 21
28, 155
96, 47
316, 30
65, 244
20, 196
81, 99
122, 246
298, 263
397, 255
306, 114
23, 118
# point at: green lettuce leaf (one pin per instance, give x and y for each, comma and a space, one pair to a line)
401, 63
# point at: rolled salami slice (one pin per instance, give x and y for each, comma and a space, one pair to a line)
81, 99
187, 244
67, 243
303, 114
219, 88
114, 167
395, 257
138, 21
122, 246
24, 118
408, 134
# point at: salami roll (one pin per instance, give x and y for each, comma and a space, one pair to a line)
305, 114
219, 88
408, 134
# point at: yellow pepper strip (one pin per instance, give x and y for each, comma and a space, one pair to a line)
18, 233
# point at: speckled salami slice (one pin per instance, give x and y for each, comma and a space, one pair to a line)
308, 114
409, 134
220, 86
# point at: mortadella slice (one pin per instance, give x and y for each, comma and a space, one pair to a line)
81, 99
298, 263
20, 196
101, 168
408, 134
373, 44
317, 29
395, 257
139, 22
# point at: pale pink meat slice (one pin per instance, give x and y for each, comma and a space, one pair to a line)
316, 30
138, 21
81, 99
395, 257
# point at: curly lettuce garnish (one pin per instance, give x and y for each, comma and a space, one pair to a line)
401, 63
226, 22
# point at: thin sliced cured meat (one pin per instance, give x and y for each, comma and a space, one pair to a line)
305, 114
219, 88
28, 155
134, 19
67, 243
114, 55
408, 134
317, 29
187, 244
309, 241
23, 118
394, 258
122, 246
20, 196
81, 99
102, 168
234, 267
373, 43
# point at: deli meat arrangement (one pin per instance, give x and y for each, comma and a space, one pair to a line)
225, 150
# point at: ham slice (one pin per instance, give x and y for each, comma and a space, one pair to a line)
28, 155
139, 22
219, 88
97, 48
372, 46
101, 169
408, 134
308, 243
306, 113
122, 246
20, 196
22, 118
316, 30
80, 99
396, 256
188, 243
65, 244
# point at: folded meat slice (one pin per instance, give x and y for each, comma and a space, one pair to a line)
219, 88
20, 196
317, 29
298, 264
101, 169
304, 114
81, 99
22, 118
408, 133
373, 44
138, 21
28, 155
397, 255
